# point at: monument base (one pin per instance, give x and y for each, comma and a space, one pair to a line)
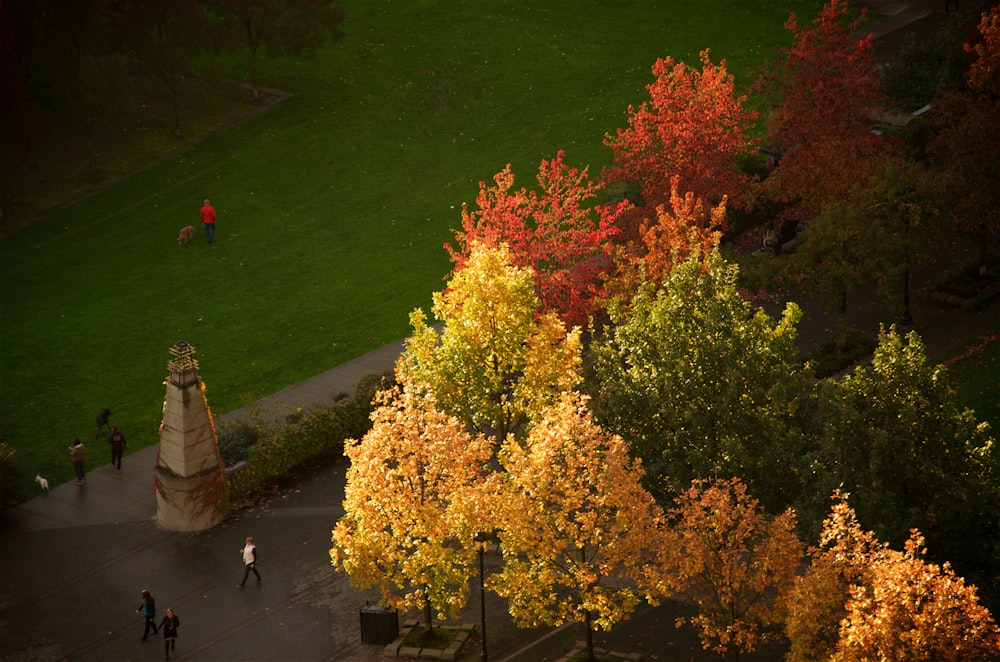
192, 503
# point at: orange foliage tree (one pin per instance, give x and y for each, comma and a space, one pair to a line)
574, 521
861, 600
409, 493
732, 560
556, 231
693, 128
984, 74
682, 229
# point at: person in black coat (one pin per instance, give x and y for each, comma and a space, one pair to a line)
169, 625
117, 441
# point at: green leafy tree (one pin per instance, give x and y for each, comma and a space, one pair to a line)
732, 560
496, 363
165, 36
575, 522
893, 435
893, 212
698, 381
407, 499
279, 27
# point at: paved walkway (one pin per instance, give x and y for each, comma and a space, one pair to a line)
73, 560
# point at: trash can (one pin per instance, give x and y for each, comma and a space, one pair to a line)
378, 624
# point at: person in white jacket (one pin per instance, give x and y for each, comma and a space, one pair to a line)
249, 553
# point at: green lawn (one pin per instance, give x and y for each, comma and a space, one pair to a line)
333, 207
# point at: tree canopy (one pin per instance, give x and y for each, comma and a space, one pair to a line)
496, 363
698, 381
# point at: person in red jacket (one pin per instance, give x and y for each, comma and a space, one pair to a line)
208, 221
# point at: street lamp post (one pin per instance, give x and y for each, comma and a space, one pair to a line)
481, 539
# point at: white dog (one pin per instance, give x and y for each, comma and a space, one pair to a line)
42, 483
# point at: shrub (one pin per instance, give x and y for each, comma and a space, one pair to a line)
314, 433
832, 357
235, 440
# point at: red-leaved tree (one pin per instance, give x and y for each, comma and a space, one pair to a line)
825, 89
693, 128
565, 240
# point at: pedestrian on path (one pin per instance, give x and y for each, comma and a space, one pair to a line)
76, 453
117, 441
148, 609
249, 553
169, 625
208, 220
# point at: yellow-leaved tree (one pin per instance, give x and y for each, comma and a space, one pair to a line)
411, 502
496, 363
576, 523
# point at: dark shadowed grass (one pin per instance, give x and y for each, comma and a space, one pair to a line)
333, 206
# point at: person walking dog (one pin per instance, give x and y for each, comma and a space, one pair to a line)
208, 220
249, 553
76, 454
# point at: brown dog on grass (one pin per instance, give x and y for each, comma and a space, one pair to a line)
186, 235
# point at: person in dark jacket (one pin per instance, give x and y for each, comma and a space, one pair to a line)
148, 609
117, 441
169, 625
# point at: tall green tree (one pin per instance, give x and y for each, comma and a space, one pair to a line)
699, 382
278, 27
575, 522
893, 211
164, 38
893, 435
496, 362
409, 491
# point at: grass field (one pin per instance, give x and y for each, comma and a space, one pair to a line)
333, 206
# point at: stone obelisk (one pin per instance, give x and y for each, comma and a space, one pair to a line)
189, 476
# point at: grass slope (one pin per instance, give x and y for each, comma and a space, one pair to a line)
333, 206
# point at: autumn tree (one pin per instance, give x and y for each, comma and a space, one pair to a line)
965, 140
823, 90
575, 522
731, 560
893, 210
557, 231
279, 27
679, 231
693, 128
406, 527
984, 73
895, 437
861, 600
496, 363
699, 381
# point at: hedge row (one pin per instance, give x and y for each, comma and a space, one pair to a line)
277, 450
